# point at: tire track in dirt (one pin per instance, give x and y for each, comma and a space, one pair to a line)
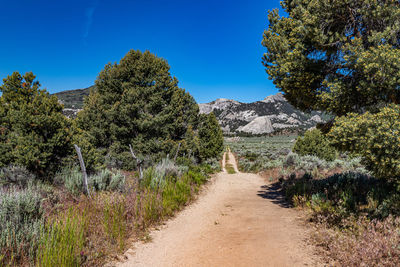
239, 220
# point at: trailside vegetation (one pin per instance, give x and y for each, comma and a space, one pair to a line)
375, 137
314, 143
135, 118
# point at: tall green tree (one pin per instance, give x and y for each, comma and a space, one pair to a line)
33, 131
138, 102
210, 135
338, 56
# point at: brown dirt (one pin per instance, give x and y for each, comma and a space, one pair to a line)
238, 221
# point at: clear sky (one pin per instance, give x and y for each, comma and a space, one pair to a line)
213, 46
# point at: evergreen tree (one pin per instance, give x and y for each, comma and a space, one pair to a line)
210, 135
33, 131
338, 56
138, 102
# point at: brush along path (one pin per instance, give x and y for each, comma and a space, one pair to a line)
237, 221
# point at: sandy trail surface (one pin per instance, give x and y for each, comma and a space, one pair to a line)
239, 220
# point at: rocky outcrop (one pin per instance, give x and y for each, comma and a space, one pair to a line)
259, 125
272, 114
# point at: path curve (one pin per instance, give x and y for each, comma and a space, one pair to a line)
238, 221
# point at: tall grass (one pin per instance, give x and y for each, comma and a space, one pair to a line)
59, 226
115, 224
63, 240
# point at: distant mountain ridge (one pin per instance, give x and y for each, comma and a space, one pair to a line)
73, 99
270, 115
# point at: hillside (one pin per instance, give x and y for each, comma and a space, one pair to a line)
73, 99
270, 115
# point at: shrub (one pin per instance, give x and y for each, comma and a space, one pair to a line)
155, 177
346, 194
373, 136
20, 223
314, 143
104, 180
212, 165
17, 175
71, 177
291, 160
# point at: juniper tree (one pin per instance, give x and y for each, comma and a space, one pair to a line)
338, 56
33, 131
210, 135
137, 102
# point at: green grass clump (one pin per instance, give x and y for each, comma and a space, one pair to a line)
229, 168
63, 240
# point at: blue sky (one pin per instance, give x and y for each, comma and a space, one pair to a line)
213, 47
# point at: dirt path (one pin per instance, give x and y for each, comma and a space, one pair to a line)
237, 221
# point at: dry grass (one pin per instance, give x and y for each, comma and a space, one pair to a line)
361, 243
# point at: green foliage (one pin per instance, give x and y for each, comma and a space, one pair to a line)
92, 157
175, 184
229, 168
156, 177
345, 194
373, 136
17, 175
316, 144
104, 180
337, 56
62, 242
138, 102
72, 180
211, 138
176, 195
20, 223
33, 131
